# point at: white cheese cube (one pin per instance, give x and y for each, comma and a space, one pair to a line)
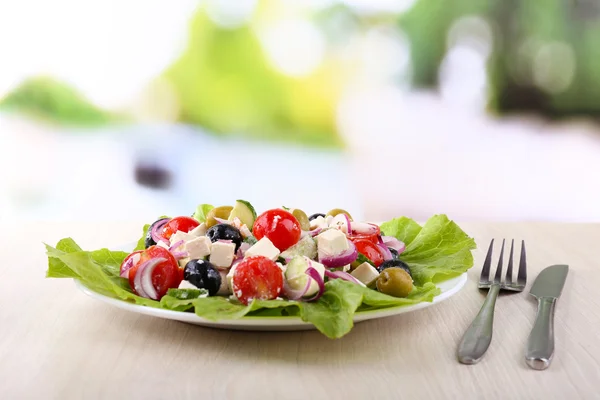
200, 230
198, 248
224, 289
365, 273
264, 247
222, 254
332, 242
186, 285
230, 277
178, 236
318, 222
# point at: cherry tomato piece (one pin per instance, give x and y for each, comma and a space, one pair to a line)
184, 224
369, 250
129, 262
166, 275
279, 226
257, 278
372, 236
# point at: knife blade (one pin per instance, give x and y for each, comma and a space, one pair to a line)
546, 289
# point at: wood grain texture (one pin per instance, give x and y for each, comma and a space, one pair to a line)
56, 343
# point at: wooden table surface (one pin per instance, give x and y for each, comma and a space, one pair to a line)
57, 343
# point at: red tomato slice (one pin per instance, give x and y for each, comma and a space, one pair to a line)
166, 275
257, 278
126, 264
184, 224
369, 250
279, 226
372, 237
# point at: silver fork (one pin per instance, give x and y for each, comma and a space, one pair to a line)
478, 337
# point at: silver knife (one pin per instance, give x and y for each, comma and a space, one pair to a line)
546, 289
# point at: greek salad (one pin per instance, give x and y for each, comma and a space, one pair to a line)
230, 262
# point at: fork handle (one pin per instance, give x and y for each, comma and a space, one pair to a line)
540, 345
478, 337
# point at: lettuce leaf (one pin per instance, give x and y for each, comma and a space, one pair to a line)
438, 250
201, 211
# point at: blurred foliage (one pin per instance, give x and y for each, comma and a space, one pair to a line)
514, 24
224, 82
55, 101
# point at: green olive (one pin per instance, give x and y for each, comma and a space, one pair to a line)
217, 212
337, 211
395, 282
302, 218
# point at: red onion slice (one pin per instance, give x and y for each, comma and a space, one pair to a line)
313, 274
383, 249
180, 254
365, 228
393, 243
176, 245
315, 232
243, 249
156, 231
142, 282
343, 275
130, 263
221, 220
341, 259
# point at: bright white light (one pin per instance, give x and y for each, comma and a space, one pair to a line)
230, 14
463, 78
554, 67
379, 6
108, 49
473, 31
295, 47
386, 53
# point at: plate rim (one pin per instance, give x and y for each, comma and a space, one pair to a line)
262, 321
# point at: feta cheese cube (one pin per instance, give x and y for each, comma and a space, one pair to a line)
318, 222
365, 273
200, 230
178, 236
230, 278
186, 285
198, 248
222, 254
264, 247
224, 289
332, 242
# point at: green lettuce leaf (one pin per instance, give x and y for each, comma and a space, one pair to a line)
437, 251
201, 211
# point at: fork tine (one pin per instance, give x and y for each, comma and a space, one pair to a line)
498, 276
485, 271
509, 272
522, 277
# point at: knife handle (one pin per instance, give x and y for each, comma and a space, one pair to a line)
478, 337
540, 346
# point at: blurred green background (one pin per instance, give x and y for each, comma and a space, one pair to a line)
278, 71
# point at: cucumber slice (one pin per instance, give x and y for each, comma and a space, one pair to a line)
296, 277
245, 212
305, 247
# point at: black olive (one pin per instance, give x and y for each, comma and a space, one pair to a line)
316, 216
203, 275
149, 241
394, 253
225, 232
394, 263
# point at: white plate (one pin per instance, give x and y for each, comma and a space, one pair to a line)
449, 288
